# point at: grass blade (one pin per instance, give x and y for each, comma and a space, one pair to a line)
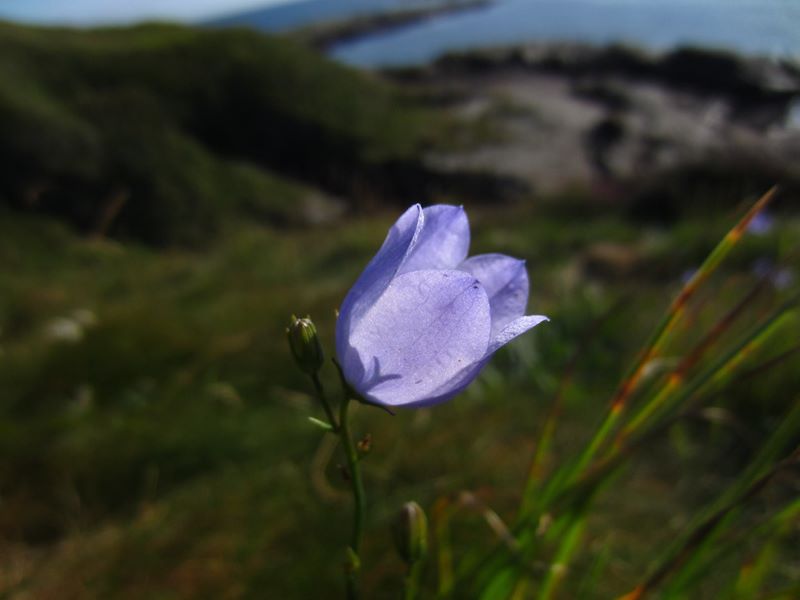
756, 477
660, 336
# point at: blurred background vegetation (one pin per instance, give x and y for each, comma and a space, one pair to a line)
170, 194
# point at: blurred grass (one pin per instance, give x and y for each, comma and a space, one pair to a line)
153, 433
160, 132
159, 446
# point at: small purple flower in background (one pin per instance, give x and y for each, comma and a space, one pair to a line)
783, 278
761, 224
780, 277
423, 319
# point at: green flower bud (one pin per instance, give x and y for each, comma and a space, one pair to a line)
305, 346
410, 531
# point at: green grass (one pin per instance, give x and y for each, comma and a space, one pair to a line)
166, 452
153, 429
158, 132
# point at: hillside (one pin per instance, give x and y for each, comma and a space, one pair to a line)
154, 429
157, 132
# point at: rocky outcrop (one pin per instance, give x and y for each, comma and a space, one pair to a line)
619, 121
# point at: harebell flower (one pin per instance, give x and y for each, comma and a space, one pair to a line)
423, 319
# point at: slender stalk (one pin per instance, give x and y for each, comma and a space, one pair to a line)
324, 401
342, 429
359, 498
708, 526
693, 358
442, 512
543, 446
569, 545
412, 580
660, 336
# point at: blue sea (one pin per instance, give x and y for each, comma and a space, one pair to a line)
754, 27
295, 14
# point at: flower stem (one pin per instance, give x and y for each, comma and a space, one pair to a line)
412, 580
324, 401
358, 496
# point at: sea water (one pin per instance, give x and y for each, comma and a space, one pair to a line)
753, 27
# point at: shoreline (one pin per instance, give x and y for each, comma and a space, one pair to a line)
752, 82
326, 35
614, 119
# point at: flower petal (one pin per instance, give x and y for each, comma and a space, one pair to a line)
505, 280
444, 241
427, 327
456, 384
463, 378
377, 275
513, 329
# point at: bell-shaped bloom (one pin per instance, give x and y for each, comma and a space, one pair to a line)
423, 319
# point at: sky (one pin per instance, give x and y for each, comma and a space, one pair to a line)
85, 12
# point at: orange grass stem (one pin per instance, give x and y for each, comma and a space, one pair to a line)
691, 360
661, 334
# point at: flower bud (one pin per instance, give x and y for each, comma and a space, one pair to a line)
410, 531
305, 346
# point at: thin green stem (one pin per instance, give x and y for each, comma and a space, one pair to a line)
342, 429
358, 496
660, 337
567, 548
324, 401
412, 580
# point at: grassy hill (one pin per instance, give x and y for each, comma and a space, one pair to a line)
154, 440
160, 132
153, 429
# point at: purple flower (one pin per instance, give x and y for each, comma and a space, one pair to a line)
761, 224
423, 319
